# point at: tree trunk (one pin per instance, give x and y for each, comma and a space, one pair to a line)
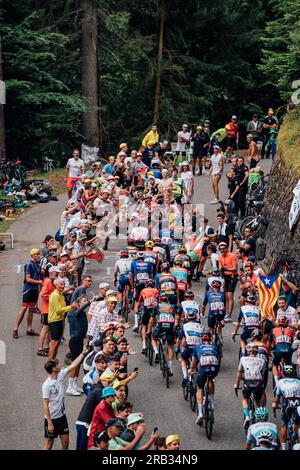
2, 101
89, 74
159, 64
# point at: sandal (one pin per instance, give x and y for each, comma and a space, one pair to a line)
41, 352
15, 334
46, 350
32, 333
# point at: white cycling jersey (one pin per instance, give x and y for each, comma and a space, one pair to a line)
288, 388
191, 306
193, 332
255, 430
252, 368
123, 266
250, 316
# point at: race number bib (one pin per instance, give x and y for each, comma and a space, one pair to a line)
208, 361
142, 276
150, 302
166, 318
167, 286
193, 340
252, 374
217, 306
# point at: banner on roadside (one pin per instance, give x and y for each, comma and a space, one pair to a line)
89, 154
295, 207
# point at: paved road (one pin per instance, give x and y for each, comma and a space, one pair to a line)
21, 413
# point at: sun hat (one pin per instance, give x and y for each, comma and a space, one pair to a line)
112, 299
119, 384
108, 392
134, 418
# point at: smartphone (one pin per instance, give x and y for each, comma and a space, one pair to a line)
155, 430
135, 369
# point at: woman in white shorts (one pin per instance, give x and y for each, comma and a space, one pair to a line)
216, 170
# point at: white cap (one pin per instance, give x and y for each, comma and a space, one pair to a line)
164, 170
185, 125
60, 266
128, 160
54, 269
233, 117
111, 292
103, 285
184, 163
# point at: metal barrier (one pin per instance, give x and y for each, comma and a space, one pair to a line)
11, 236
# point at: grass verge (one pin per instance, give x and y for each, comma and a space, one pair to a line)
289, 140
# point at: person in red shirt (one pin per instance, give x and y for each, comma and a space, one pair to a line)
281, 338
232, 129
103, 412
47, 288
149, 300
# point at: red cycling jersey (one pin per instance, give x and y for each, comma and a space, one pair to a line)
149, 297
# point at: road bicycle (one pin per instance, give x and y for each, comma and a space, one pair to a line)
163, 358
208, 411
149, 353
258, 224
125, 310
292, 436
251, 408
286, 264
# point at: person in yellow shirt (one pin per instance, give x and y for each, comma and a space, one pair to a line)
151, 136
56, 315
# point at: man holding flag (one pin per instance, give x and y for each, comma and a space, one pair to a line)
268, 291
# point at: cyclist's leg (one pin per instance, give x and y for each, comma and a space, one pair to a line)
155, 335
246, 391
283, 429
120, 287
170, 349
145, 322
184, 358
201, 380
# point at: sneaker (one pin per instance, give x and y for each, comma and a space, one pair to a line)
156, 359
228, 318
246, 422
184, 383
215, 201
199, 420
144, 351
135, 329
73, 392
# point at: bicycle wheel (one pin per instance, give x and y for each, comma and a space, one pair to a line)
161, 359
193, 391
209, 416
246, 223
150, 355
185, 391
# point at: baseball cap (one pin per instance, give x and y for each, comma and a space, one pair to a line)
112, 299
100, 436
233, 117
63, 253
108, 392
111, 293
69, 246
122, 145
103, 285
222, 244
122, 340
119, 384
134, 418
52, 253
113, 422
164, 170
54, 269
35, 251
185, 125
184, 163
106, 376
199, 127
94, 164
93, 185
172, 438
216, 147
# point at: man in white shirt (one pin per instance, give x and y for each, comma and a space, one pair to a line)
183, 141
285, 310
56, 423
74, 170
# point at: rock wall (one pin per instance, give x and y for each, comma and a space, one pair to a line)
278, 199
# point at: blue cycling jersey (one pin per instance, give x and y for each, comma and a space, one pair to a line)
216, 301
141, 270
206, 354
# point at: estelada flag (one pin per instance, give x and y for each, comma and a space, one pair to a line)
268, 290
95, 253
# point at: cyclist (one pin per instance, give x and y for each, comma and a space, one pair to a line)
159, 250
251, 369
186, 262
263, 353
289, 389
166, 320
216, 301
132, 249
207, 356
167, 283
150, 256
122, 274
281, 338
262, 425
264, 441
189, 305
249, 317
215, 277
190, 335
149, 300
173, 250
181, 274
141, 272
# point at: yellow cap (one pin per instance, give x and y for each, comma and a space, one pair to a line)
106, 376
123, 145
88, 180
112, 299
35, 251
199, 127
119, 384
270, 110
172, 438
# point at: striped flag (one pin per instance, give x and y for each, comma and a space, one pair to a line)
95, 253
268, 290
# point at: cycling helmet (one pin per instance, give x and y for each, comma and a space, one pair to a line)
229, 203
157, 241
261, 413
283, 321
165, 267
130, 241
178, 262
124, 253
189, 294
251, 298
182, 249
163, 298
288, 371
149, 283
149, 244
265, 436
140, 254
191, 315
257, 334
216, 283
251, 347
206, 337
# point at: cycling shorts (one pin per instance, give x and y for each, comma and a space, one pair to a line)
170, 333
138, 289
230, 283
187, 352
122, 282
213, 317
246, 333
255, 387
289, 408
171, 297
147, 314
206, 372
282, 351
